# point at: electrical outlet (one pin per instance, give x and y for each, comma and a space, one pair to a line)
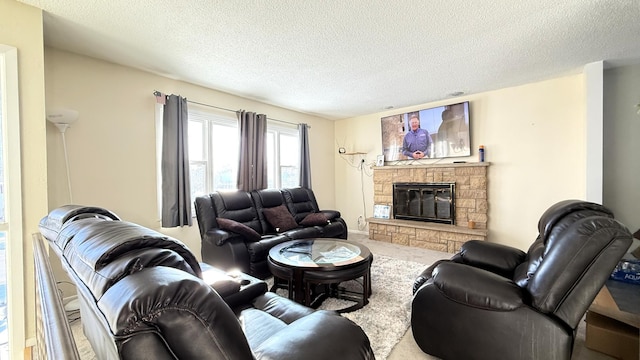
360, 220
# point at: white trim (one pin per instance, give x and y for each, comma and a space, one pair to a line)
594, 82
30, 342
13, 198
158, 112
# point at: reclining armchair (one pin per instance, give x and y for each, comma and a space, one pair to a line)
491, 301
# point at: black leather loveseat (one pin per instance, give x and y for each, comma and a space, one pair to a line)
238, 228
142, 296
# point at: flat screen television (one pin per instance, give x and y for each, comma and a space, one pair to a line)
439, 132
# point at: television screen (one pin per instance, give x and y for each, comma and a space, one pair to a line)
434, 133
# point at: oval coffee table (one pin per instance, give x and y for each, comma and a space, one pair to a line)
305, 264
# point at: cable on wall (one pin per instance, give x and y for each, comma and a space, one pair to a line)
362, 224
358, 161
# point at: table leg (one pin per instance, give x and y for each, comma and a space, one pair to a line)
298, 287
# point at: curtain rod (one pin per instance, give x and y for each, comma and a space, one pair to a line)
158, 93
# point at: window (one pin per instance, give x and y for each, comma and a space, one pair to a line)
213, 152
11, 250
283, 162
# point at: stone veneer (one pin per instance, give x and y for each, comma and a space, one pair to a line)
471, 205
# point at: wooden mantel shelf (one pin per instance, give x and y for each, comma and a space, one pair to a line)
431, 226
434, 165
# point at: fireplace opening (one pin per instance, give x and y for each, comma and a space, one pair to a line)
431, 202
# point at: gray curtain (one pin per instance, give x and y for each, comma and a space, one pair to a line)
176, 193
305, 163
252, 169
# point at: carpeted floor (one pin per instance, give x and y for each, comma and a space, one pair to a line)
84, 348
386, 318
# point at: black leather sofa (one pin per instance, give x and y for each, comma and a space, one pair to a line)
142, 296
492, 301
238, 228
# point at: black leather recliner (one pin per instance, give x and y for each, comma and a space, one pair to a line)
492, 301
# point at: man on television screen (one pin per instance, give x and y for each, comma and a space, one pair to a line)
417, 141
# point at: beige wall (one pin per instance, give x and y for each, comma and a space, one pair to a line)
21, 27
621, 144
534, 137
112, 150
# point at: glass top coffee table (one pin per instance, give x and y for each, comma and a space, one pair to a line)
305, 264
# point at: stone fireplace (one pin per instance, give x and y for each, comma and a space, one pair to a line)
469, 198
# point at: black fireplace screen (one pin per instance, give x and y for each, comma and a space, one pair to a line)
434, 202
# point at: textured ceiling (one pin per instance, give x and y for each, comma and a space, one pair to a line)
343, 58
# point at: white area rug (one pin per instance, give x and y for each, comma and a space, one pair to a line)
387, 316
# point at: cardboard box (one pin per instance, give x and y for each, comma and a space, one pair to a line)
612, 337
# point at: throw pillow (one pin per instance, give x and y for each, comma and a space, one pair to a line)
238, 228
314, 219
280, 218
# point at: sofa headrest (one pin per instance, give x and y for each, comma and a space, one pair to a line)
579, 260
178, 313
268, 197
98, 243
553, 226
232, 200
99, 281
300, 201
558, 211
51, 225
237, 206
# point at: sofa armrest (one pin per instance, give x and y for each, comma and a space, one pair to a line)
425, 275
331, 214
497, 258
477, 287
232, 254
320, 335
236, 288
220, 237
219, 280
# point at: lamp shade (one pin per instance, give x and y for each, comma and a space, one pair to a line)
62, 116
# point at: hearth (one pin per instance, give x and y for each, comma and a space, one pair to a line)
430, 202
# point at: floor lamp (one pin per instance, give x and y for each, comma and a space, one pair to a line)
62, 119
